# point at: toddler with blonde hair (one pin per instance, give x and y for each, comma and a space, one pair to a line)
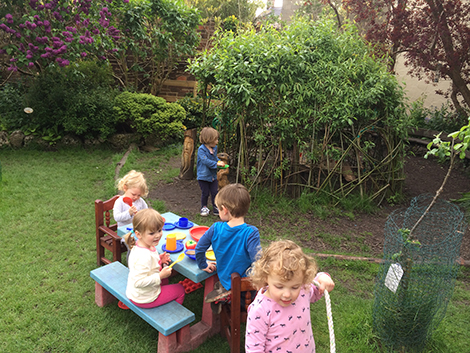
134, 186
279, 317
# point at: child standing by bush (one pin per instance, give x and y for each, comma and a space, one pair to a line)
134, 186
279, 317
234, 242
207, 163
147, 284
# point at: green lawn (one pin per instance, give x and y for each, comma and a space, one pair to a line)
48, 249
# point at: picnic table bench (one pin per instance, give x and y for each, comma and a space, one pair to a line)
171, 320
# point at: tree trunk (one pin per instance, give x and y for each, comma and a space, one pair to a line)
187, 156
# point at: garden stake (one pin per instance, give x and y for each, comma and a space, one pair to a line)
329, 316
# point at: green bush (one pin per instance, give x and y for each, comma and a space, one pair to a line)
77, 99
444, 118
150, 115
194, 111
12, 115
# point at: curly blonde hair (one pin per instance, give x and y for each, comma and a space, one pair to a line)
145, 220
134, 179
284, 259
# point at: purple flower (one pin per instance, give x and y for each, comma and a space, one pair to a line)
4, 27
86, 22
68, 28
62, 62
18, 35
13, 68
41, 7
29, 56
46, 23
46, 55
83, 54
3, 51
68, 40
12, 60
9, 18
30, 64
126, 1
96, 31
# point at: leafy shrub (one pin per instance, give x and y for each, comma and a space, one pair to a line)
150, 115
12, 116
444, 118
194, 111
76, 99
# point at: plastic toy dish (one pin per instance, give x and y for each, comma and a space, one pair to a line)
191, 254
179, 235
197, 232
179, 247
190, 225
210, 255
169, 226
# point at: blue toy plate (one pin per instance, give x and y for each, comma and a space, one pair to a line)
192, 257
169, 226
190, 225
179, 247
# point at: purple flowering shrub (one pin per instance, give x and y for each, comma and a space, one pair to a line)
58, 31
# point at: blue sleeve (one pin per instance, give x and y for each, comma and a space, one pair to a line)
206, 159
253, 244
202, 245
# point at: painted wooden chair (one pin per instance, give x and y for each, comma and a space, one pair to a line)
232, 314
106, 236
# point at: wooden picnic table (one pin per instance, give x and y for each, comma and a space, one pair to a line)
188, 337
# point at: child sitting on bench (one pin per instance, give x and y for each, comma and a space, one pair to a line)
147, 284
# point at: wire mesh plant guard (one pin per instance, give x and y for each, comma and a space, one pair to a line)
416, 279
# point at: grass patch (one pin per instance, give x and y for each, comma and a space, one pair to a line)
47, 300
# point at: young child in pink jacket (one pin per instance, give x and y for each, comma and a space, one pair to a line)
279, 317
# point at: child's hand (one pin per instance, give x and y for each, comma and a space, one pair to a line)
325, 282
165, 258
220, 164
165, 272
211, 267
132, 210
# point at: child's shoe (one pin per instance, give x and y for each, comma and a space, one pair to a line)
204, 211
215, 211
122, 305
218, 294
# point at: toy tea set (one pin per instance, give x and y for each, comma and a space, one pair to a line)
174, 241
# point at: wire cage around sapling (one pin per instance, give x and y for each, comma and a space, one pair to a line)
417, 278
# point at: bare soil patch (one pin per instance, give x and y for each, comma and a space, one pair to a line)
363, 235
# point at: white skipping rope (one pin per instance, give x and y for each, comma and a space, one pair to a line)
330, 318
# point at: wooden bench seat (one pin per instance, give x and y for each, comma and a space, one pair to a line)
170, 320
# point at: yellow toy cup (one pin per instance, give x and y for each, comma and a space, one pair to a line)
171, 242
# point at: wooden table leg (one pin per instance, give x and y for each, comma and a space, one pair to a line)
207, 315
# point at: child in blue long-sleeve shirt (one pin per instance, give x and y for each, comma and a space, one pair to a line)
235, 243
207, 162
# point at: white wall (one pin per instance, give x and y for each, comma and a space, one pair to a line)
415, 88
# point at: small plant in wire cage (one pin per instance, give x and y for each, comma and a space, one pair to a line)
421, 251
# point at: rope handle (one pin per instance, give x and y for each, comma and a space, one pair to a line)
329, 317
